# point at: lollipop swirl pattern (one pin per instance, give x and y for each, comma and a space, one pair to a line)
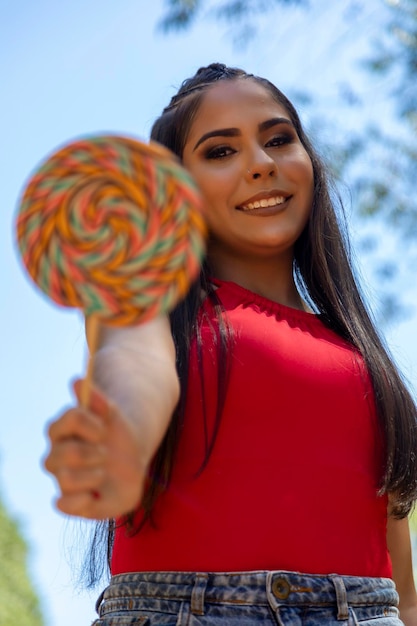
114, 227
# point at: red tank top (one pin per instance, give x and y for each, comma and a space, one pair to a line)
291, 483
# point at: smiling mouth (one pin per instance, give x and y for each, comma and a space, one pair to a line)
263, 203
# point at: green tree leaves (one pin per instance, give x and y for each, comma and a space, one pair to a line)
377, 155
19, 605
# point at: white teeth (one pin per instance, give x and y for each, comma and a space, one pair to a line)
265, 202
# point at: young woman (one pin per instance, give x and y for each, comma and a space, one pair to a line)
273, 484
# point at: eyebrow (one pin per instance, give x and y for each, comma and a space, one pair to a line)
235, 132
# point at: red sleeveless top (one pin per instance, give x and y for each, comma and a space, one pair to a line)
291, 483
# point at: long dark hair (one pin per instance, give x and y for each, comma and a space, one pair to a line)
323, 270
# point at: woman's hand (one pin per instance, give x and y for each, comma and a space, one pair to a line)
97, 459
100, 455
399, 545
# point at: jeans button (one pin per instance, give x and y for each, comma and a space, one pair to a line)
281, 588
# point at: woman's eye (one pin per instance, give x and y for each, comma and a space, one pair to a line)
219, 152
279, 140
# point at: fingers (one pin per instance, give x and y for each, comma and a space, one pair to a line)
87, 423
74, 454
78, 450
82, 504
77, 424
72, 481
109, 505
78, 466
96, 459
79, 504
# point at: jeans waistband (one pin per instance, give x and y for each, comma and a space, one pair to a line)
258, 587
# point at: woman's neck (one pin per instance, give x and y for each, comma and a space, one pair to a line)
270, 278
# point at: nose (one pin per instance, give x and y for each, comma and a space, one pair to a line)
262, 165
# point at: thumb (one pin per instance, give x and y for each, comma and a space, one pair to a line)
97, 401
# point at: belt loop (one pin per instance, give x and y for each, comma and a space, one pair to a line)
197, 595
341, 598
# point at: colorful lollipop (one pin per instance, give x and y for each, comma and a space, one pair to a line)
114, 227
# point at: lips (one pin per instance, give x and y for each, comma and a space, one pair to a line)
261, 201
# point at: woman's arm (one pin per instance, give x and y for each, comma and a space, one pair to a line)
399, 546
106, 449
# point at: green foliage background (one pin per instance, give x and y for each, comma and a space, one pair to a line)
19, 605
376, 156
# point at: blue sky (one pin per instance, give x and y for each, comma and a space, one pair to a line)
81, 67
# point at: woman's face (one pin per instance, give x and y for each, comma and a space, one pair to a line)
255, 174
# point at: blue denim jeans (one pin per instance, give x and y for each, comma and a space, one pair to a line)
246, 599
